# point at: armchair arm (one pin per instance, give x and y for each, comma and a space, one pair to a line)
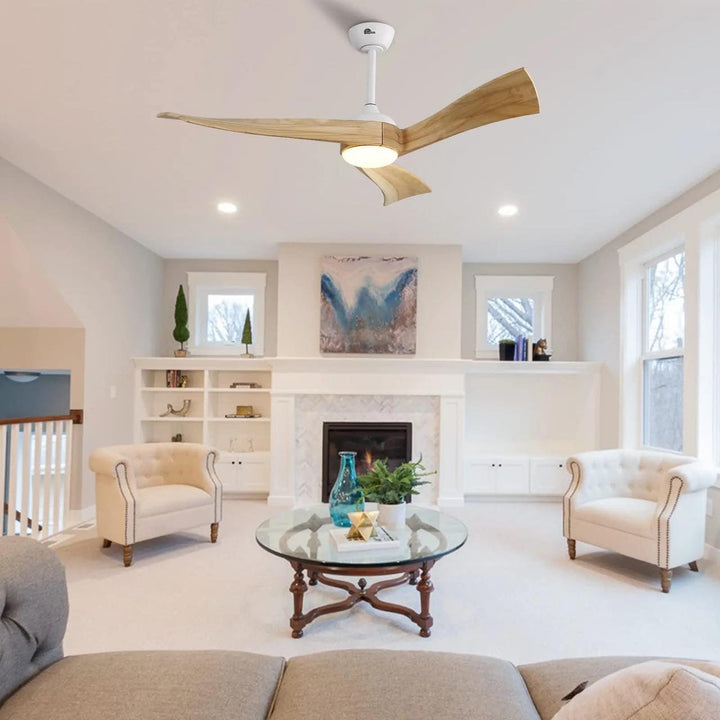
695, 476
104, 463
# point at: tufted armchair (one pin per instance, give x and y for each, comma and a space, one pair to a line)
643, 504
144, 491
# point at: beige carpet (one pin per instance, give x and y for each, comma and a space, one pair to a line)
510, 592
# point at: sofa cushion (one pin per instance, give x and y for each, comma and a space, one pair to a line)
153, 685
392, 685
548, 682
652, 690
163, 499
626, 514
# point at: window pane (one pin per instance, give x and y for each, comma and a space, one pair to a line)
508, 318
666, 304
226, 317
663, 400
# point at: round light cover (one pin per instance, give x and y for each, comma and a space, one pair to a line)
508, 210
369, 156
227, 207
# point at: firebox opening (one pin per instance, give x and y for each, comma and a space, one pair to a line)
369, 440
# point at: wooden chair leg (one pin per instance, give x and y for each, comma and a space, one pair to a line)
127, 555
665, 580
571, 548
106, 543
214, 532
693, 566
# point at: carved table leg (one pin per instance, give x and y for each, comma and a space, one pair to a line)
298, 588
571, 548
425, 587
413, 578
106, 543
127, 555
214, 527
665, 579
694, 566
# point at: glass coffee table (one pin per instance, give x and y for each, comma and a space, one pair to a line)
302, 537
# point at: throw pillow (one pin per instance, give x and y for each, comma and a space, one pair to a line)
652, 690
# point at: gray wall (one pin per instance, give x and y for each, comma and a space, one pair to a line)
174, 274
48, 395
112, 285
599, 320
564, 303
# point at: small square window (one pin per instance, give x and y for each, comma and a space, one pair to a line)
218, 306
509, 317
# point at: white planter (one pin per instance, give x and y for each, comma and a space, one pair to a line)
392, 516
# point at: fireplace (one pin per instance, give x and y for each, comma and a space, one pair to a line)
370, 440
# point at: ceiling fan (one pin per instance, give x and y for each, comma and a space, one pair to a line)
372, 141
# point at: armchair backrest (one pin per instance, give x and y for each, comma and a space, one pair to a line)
151, 464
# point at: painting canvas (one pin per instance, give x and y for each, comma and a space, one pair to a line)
368, 305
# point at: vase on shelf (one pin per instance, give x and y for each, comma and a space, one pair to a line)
345, 495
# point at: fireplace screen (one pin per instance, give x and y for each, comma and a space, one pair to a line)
370, 442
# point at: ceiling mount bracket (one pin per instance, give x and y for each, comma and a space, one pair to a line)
367, 35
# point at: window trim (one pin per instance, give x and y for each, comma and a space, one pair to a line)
537, 287
634, 259
202, 284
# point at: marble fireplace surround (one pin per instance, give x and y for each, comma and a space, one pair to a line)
308, 392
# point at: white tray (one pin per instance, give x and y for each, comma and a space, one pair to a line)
381, 542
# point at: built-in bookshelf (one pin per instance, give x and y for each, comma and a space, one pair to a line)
227, 406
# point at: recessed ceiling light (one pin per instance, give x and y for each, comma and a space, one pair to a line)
227, 207
508, 210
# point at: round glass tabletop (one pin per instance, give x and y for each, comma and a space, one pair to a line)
304, 534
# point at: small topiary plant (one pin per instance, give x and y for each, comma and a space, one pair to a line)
181, 332
247, 333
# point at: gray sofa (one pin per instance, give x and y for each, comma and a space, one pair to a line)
38, 683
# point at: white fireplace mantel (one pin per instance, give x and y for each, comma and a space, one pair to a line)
307, 392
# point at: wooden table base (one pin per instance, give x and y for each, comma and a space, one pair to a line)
361, 591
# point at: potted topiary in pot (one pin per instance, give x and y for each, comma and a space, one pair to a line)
506, 349
181, 332
390, 488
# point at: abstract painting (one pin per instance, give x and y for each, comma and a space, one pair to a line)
368, 305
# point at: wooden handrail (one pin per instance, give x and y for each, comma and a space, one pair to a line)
75, 415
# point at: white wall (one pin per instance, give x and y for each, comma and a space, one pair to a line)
564, 303
439, 295
175, 273
111, 283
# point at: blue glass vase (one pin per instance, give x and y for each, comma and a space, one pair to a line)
345, 495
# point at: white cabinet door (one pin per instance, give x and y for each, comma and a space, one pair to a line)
512, 476
227, 471
548, 476
254, 473
480, 477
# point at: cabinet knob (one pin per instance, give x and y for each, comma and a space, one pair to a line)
239, 462
499, 464
493, 465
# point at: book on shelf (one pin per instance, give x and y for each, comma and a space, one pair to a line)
382, 541
245, 385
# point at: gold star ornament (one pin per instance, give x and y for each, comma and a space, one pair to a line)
363, 525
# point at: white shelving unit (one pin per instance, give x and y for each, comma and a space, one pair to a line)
244, 443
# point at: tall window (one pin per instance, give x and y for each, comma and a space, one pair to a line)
663, 349
508, 306
219, 304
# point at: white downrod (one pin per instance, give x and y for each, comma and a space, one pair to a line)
372, 52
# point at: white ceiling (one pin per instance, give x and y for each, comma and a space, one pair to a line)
629, 97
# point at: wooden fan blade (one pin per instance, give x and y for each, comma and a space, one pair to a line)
354, 132
511, 95
395, 183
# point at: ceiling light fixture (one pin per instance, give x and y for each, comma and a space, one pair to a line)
507, 210
19, 376
227, 208
369, 156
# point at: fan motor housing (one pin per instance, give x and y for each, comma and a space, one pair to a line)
366, 35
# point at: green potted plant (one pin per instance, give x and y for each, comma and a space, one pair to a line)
506, 349
246, 339
390, 488
181, 332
